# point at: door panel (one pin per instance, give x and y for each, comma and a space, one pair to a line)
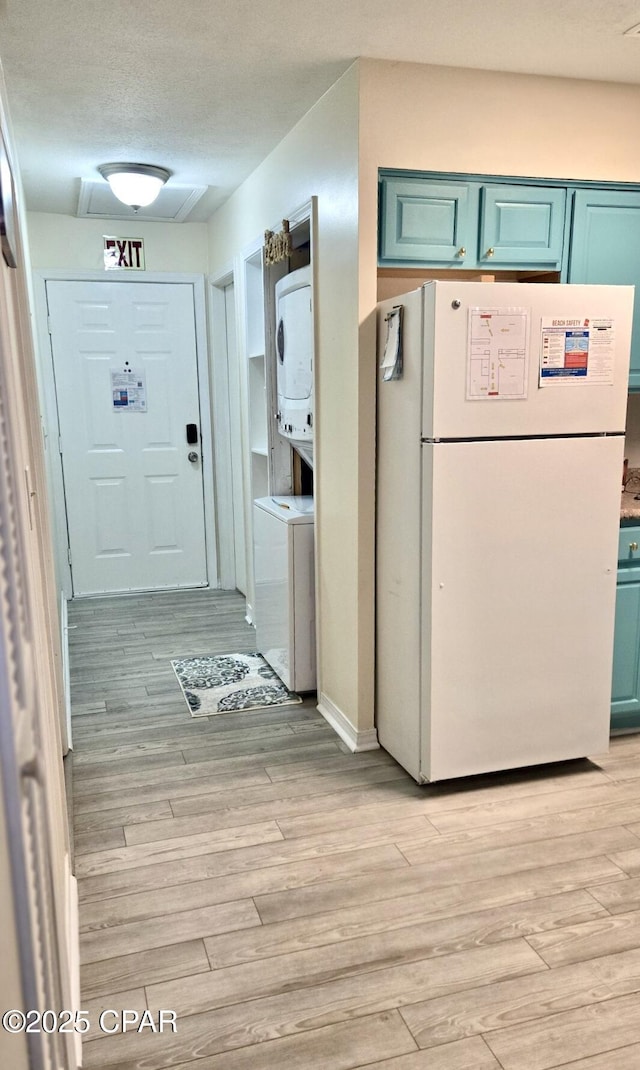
625, 691
521, 225
604, 248
424, 221
135, 508
39, 941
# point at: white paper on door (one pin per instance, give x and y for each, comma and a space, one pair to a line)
128, 391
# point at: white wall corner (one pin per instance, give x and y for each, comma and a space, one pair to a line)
356, 741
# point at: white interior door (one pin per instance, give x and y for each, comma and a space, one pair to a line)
125, 367
39, 951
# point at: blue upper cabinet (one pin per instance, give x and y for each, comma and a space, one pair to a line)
425, 222
471, 224
605, 247
521, 225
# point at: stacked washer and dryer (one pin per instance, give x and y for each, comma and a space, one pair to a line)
283, 525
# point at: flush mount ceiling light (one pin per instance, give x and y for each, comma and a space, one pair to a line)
135, 184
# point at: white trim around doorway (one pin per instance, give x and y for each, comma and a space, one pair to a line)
50, 409
221, 422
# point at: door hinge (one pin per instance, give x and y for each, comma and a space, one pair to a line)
30, 495
49, 325
69, 554
60, 444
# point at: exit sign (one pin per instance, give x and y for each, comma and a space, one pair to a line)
123, 254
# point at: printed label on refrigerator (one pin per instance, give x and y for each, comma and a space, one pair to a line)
498, 354
576, 350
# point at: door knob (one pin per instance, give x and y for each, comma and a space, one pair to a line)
633, 546
490, 252
192, 455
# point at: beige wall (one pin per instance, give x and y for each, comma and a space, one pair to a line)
64, 242
320, 157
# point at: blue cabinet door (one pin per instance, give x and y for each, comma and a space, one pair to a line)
425, 222
625, 690
521, 226
440, 223
605, 247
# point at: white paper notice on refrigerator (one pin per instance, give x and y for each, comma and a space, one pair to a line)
392, 357
577, 351
498, 354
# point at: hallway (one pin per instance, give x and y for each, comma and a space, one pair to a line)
271, 888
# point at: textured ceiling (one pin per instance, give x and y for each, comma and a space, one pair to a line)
208, 87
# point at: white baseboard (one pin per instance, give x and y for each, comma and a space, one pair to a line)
73, 922
66, 681
356, 741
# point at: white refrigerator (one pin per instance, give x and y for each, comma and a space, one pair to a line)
501, 418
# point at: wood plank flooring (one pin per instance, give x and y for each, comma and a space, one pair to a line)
297, 905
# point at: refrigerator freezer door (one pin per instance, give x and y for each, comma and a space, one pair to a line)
569, 404
519, 582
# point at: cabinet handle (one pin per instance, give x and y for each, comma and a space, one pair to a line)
461, 251
489, 252
633, 546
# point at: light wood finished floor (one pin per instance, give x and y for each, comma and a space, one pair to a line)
299, 906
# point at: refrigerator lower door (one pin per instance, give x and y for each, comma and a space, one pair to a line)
518, 596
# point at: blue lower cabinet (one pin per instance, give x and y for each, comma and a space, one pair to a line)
625, 697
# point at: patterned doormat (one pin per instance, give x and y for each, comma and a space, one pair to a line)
223, 683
